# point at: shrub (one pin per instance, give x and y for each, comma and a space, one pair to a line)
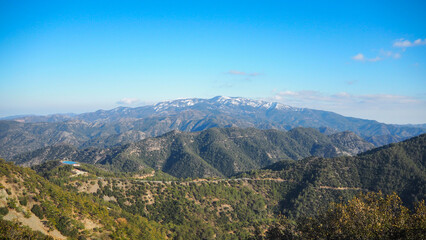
11, 203
27, 214
38, 211
23, 201
4, 211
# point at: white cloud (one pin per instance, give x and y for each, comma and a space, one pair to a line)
407, 43
128, 101
400, 43
419, 41
359, 57
388, 108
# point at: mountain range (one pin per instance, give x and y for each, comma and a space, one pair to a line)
215, 152
106, 128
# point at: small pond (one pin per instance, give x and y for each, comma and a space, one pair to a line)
69, 162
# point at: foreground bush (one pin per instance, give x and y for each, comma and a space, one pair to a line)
369, 216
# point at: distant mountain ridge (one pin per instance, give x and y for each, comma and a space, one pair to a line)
215, 152
161, 108
106, 128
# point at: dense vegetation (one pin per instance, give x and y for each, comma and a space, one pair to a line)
67, 211
369, 216
14, 231
396, 168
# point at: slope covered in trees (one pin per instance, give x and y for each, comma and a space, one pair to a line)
61, 213
209, 153
398, 167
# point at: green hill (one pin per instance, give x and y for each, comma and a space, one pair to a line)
27, 198
398, 167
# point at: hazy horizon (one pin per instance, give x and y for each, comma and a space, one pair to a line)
364, 59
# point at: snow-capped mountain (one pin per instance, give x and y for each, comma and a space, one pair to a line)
221, 102
123, 124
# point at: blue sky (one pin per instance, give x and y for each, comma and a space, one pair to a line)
363, 59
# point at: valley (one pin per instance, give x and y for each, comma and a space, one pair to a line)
245, 205
213, 152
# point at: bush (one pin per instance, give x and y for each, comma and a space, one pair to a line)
11, 203
23, 201
27, 214
66, 226
4, 211
38, 211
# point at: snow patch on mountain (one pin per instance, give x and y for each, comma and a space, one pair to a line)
180, 103
222, 101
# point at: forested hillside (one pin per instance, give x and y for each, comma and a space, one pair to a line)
46, 207
214, 152
398, 167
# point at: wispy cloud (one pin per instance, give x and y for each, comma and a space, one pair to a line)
128, 101
360, 57
235, 72
403, 43
389, 54
376, 59
385, 54
342, 97
389, 108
